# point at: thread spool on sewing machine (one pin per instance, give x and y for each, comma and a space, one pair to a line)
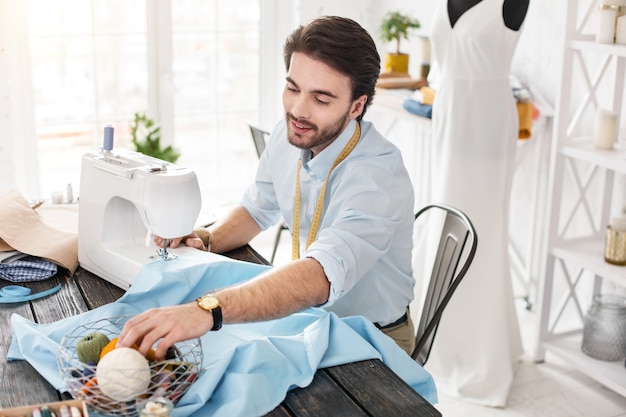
126, 198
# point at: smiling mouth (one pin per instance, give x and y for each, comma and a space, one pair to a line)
301, 129
298, 126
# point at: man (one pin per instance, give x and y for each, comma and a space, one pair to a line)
341, 186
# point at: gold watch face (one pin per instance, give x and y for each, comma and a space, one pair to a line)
208, 302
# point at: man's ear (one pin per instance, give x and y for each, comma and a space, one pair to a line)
357, 106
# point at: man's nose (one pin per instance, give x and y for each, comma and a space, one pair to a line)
301, 107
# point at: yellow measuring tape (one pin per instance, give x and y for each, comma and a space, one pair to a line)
317, 215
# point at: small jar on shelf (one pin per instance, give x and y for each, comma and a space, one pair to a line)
604, 331
615, 244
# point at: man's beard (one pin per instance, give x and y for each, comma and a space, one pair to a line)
328, 134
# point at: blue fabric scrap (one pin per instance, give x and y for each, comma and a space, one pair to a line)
415, 107
27, 269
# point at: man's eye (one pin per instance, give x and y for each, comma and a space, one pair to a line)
321, 101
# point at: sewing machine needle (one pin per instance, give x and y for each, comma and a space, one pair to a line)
163, 252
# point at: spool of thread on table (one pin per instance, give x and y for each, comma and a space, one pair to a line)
605, 129
69, 193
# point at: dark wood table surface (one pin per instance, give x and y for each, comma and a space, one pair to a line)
366, 388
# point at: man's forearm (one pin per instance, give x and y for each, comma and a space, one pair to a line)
276, 293
233, 231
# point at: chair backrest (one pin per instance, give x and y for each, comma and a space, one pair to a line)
258, 136
450, 265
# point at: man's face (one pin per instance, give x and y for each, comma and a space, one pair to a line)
317, 103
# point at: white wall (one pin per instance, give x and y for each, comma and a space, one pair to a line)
538, 54
537, 61
369, 13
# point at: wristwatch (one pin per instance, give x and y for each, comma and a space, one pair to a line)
210, 303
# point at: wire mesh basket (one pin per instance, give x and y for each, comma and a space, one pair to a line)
169, 378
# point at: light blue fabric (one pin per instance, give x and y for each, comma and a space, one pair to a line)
364, 240
415, 107
248, 368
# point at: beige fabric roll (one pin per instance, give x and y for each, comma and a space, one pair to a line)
22, 229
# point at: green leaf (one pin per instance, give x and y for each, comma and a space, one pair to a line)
396, 26
146, 137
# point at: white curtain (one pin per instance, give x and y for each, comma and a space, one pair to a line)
18, 151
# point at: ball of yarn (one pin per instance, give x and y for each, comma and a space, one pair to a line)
88, 348
108, 347
123, 374
151, 355
89, 370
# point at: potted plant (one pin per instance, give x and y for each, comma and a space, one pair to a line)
396, 26
146, 136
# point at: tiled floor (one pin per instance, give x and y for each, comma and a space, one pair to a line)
553, 388
550, 389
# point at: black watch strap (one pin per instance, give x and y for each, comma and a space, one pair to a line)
217, 318
210, 303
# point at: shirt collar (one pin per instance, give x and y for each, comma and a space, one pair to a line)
320, 165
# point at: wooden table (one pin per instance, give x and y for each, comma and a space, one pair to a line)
367, 388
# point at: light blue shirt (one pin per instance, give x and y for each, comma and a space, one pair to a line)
364, 241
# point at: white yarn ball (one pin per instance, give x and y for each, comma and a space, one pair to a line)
123, 374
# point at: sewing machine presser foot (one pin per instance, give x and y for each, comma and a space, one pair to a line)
164, 254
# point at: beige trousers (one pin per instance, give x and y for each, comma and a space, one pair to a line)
403, 334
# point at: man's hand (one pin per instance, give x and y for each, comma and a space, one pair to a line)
191, 240
167, 325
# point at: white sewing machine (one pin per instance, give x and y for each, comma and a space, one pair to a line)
126, 198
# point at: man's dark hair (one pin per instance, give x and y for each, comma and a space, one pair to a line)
343, 45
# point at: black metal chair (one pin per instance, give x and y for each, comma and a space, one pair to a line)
455, 252
259, 136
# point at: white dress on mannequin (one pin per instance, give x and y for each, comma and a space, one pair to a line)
474, 133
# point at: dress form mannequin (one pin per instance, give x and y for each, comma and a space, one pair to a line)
474, 133
513, 11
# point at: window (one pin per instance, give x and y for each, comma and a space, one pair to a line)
193, 65
216, 89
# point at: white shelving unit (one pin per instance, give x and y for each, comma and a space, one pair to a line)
592, 76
